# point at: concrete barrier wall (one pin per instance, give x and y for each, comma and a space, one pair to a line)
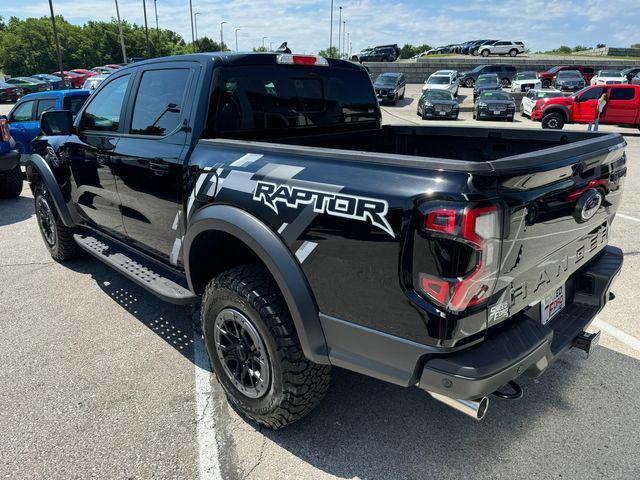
612, 52
417, 71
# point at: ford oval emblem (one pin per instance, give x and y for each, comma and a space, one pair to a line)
587, 205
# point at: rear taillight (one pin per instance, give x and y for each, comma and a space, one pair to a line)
5, 134
290, 59
464, 243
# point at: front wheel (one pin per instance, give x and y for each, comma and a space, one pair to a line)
546, 83
485, 53
553, 121
57, 237
469, 83
255, 351
11, 183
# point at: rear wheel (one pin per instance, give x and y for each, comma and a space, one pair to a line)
554, 121
255, 351
11, 183
485, 53
546, 83
469, 83
513, 52
505, 82
57, 237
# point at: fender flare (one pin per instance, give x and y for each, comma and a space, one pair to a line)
279, 261
38, 163
559, 109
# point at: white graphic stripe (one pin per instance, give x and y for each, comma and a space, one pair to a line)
282, 227
246, 160
305, 249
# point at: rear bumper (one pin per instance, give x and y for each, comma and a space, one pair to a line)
525, 346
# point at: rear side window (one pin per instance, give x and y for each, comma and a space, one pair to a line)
45, 105
621, 94
159, 101
103, 113
23, 112
290, 97
74, 103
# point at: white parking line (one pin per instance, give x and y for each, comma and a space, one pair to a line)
208, 464
628, 340
628, 217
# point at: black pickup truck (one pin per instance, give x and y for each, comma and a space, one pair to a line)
265, 187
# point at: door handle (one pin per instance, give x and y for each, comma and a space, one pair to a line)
158, 167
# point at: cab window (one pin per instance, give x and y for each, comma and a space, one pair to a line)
23, 112
45, 105
103, 113
621, 93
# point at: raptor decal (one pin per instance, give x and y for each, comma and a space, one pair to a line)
330, 203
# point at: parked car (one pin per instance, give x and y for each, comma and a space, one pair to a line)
390, 87
92, 83
442, 82
75, 79
475, 49
84, 72
438, 104
501, 47
622, 107
9, 93
56, 82
630, 72
525, 81
383, 53
486, 82
568, 80
393, 260
608, 77
547, 76
506, 73
28, 84
10, 172
103, 70
357, 57
494, 105
24, 117
636, 80
534, 96
467, 48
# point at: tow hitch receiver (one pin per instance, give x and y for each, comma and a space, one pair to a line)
586, 341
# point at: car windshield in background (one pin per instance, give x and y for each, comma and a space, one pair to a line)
549, 95
439, 81
288, 98
495, 96
527, 76
386, 80
610, 73
569, 74
438, 95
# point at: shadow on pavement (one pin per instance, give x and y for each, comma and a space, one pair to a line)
15, 210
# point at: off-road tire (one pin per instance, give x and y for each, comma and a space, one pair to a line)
64, 247
11, 183
554, 121
296, 384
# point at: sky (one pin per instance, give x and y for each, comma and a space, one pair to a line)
541, 24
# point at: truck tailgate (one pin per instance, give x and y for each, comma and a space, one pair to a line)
559, 204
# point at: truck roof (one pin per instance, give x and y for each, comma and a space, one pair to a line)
58, 93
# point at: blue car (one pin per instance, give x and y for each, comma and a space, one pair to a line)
10, 173
24, 117
55, 81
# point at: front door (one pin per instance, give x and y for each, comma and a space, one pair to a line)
586, 105
148, 160
89, 153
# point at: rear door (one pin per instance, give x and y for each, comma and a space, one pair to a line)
148, 159
23, 114
622, 105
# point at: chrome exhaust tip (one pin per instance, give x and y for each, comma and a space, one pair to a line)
473, 408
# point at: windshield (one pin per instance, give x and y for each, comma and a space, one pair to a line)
440, 80
386, 80
495, 96
610, 73
264, 99
438, 95
569, 74
549, 95
526, 76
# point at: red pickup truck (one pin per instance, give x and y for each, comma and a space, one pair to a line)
547, 76
622, 107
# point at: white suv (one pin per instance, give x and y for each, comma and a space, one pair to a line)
502, 47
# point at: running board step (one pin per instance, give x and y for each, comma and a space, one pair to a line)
149, 275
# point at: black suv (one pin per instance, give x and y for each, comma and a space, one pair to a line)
390, 87
386, 53
506, 74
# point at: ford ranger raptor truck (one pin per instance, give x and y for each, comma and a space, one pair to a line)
265, 187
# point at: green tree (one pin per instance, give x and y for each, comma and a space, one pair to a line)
601, 45
331, 52
260, 49
634, 45
580, 48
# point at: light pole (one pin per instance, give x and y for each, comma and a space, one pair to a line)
193, 38
339, 31
348, 43
271, 46
331, 30
221, 36
55, 36
195, 24
146, 28
124, 50
237, 38
263, 38
155, 7
344, 31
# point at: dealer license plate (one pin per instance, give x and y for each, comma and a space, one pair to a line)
442, 113
552, 304
497, 112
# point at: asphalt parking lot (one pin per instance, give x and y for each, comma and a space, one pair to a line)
100, 379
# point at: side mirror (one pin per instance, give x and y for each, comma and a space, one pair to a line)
56, 122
